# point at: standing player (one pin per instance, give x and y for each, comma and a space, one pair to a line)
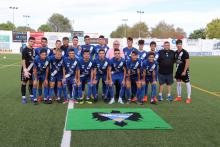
86, 77
153, 46
65, 47
58, 45
40, 74
182, 71
118, 74
70, 75
88, 46
149, 75
77, 48
27, 69
56, 74
129, 49
142, 56
101, 67
44, 43
133, 79
102, 45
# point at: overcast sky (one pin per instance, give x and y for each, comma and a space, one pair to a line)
103, 16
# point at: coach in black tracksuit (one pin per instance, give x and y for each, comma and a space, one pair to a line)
166, 62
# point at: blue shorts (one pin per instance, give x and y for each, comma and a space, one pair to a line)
149, 79
70, 80
40, 78
84, 81
118, 78
57, 77
98, 77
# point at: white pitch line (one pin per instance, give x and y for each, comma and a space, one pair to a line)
66, 140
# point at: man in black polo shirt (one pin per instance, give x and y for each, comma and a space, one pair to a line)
27, 69
166, 62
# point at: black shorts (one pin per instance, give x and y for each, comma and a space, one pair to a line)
23, 78
185, 78
165, 79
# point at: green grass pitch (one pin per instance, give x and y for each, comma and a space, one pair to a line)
196, 124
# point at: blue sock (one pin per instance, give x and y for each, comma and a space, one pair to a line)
94, 91
146, 89
90, 86
111, 91
34, 92
51, 92
39, 92
65, 92
142, 91
45, 92
59, 91
154, 90
75, 92
79, 88
122, 91
139, 94
128, 93
71, 90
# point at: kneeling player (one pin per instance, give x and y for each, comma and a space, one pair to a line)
149, 76
56, 74
40, 75
70, 75
117, 74
133, 79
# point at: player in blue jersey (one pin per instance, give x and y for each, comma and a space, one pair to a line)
153, 46
40, 75
44, 43
102, 45
117, 74
86, 77
101, 67
65, 47
56, 75
70, 75
128, 50
77, 48
88, 46
133, 67
149, 68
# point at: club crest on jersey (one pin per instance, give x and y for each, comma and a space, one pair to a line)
117, 117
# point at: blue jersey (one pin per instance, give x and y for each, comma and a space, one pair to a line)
56, 66
85, 68
142, 55
98, 47
127, 52
117, 66
133, 66
77, 51
49, 51
41, 65
71, 65
101, 66
65, 50
89, 47
156, 56
149, 67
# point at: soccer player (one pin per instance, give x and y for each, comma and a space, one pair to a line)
133, 66
153, 46
27, 69
58, 45
117, 74
65, 47
86, 77
101, 67
102, 45
142, 56
40, 75
88, 46
56, 74
77, 48
44, 43
129, 49
149, 76
182, 71
71, 75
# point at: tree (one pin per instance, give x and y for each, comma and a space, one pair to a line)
59, 23
44, 28
120, 32
164, 30
7, 26
213, 29
24, 29
134, 31
199, 33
